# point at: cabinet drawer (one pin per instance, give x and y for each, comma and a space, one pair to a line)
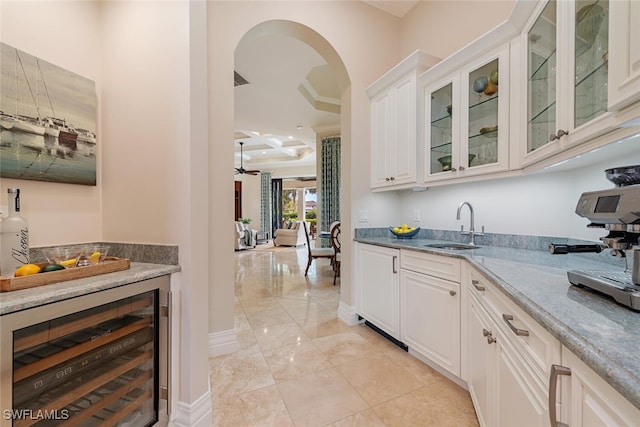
433, 265
537, 346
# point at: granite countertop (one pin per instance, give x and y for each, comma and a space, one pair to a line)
11, 302
603, 334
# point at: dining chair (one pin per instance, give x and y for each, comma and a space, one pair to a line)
335, 244
315, 253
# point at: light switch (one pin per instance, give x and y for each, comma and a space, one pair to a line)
416, 214
363, 215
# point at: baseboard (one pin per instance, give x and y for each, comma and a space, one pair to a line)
224, 342
196, 414
347, 313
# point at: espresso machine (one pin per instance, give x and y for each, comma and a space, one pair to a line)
616, 210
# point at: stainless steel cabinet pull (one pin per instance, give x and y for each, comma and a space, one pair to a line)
556, 370
453, 169
562, 133
452, 293
491, 339
167, 311
393, 263
520, 332
461, 168
477, 285
485, 332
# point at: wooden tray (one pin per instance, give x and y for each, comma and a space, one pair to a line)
110, 265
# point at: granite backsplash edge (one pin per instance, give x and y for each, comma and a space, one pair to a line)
136, 252
516, 241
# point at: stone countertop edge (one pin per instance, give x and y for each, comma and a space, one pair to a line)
11, 302
625, 379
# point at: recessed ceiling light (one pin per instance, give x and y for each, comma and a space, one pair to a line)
299, 127
290, 137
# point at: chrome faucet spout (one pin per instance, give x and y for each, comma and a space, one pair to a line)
472, 231
470, 211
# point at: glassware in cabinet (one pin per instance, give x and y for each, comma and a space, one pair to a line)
441, 129
484, 95
541, 78
591, 60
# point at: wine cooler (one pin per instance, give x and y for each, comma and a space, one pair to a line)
97, 360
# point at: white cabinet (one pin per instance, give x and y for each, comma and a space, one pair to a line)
586, 399
509, 356
503, 390
624, 54
564, 52
395, 151
430, 308
465, 124
378, 285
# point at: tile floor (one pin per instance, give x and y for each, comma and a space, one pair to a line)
299, 365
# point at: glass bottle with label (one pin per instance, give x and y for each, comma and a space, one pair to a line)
14, 237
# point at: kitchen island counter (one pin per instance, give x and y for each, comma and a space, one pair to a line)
11, 302
603, 334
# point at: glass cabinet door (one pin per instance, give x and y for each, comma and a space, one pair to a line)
441, 129
541, 76
483, 115
591, 59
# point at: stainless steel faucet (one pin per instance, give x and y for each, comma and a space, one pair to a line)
472, 231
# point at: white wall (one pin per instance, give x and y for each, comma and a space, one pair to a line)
541, 204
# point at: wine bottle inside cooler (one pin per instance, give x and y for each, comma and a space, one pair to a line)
14, 237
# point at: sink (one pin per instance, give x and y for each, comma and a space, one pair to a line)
451, 246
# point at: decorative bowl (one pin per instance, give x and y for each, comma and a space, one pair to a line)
445, 161
67, 256
93, 254
407, 235
480, 84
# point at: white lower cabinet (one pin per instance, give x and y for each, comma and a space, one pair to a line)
587, 400
379, 289
507, 381
502, 387
430, 318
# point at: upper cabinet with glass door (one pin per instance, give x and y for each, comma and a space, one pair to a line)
567, 75
467, 119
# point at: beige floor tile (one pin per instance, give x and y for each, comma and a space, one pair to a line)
378, 379
275, 336
262, 407
420, 370
238, 373
366, 418
320, 398
442, 404
344, 347
269, 317
251, 305
324, 328
294, 361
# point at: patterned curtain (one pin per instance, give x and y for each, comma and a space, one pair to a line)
265, 203
276, 204
330, 184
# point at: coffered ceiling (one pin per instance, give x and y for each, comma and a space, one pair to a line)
291, 95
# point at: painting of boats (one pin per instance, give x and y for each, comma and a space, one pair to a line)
47, 121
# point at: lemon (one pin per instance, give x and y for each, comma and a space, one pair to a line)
396, 229
404, 226
68, 263
94, 258
27, 270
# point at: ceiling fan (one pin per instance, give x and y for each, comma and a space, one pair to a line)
241, 170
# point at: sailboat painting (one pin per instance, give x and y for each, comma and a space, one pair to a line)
47, 121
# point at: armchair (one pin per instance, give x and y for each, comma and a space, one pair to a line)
294, 236
244, 238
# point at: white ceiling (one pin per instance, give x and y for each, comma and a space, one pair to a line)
291, 95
